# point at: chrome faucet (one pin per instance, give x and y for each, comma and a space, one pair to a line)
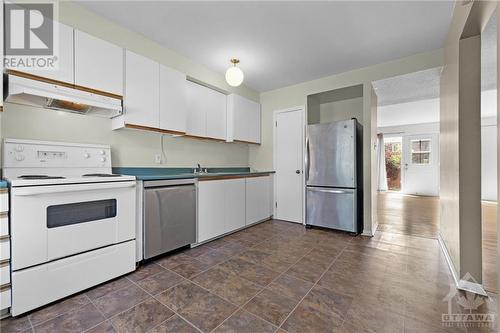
199, 169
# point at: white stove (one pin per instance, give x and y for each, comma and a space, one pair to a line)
32, 163
72, 221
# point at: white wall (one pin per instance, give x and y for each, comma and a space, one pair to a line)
342, 110
418, 112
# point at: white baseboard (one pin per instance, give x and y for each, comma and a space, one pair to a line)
461, 284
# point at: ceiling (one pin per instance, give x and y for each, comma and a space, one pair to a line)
284, 43
425, 84
408, 88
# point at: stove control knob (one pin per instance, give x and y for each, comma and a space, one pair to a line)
19, 148
102, 152
103, 159
86, 155
19, 158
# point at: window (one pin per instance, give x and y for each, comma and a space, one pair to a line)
421, 151
80, 212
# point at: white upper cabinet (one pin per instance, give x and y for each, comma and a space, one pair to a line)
243, 119
173, 106
65, 56
142, 91
196, 117
206, 116
215, 103
98, 64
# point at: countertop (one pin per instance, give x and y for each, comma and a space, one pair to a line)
185, 173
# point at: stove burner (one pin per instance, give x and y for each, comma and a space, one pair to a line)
40, 177
101, 175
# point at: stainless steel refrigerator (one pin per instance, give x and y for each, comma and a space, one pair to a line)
334, 176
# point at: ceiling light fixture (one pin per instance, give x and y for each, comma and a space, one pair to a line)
234, 75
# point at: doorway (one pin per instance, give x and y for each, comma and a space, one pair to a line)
288, 164
420, 160
393, 150
408, 127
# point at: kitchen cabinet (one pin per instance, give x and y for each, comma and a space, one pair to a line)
258, 192
211, 206
243, 119
215, 103
5, 292
172, 100
65, 58
142, 91
98, 64
196, 117
206, 112
225, 205
234, 201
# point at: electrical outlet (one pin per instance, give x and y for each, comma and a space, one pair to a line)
158, 158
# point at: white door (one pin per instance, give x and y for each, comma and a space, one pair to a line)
420, 164
288, 162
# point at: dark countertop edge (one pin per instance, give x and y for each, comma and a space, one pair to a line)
219, 175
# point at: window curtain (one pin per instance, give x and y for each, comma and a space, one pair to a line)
382, 172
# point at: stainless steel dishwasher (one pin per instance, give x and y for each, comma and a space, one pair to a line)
169, 215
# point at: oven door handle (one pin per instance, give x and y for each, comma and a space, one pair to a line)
29, 191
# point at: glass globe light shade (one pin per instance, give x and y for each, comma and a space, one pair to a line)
234, 76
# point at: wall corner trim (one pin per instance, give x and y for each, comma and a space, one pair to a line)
461, 284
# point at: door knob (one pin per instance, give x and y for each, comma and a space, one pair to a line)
297, 171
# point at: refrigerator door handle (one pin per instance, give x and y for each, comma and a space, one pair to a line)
307, 159
326, 190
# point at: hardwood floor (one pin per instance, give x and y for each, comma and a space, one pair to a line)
419, 216
408, 215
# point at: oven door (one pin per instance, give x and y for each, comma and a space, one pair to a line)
56, 221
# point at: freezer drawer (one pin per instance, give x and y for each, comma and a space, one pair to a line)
333, 208
169, 218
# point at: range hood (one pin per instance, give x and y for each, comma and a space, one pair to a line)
21, 90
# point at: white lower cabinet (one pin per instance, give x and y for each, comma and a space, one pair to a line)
211, 205
223, 205
234, 211
257, 198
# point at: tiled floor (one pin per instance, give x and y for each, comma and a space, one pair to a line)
273, 277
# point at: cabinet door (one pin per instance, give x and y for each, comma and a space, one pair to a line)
210, 209
244, 119
257, 199
65, 57
172, 100
98, 64
196, 118
235, 204
215, 106
253, 118
142, 90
